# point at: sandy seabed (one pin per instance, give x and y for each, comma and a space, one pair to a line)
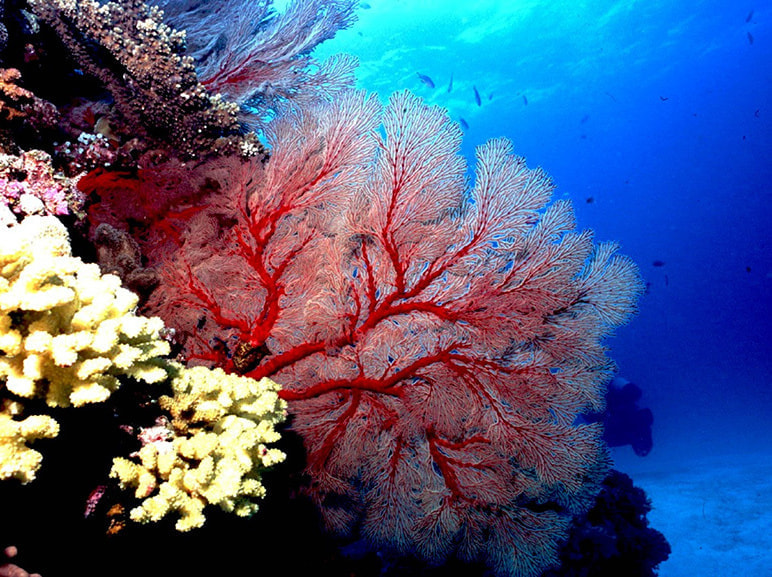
716, 512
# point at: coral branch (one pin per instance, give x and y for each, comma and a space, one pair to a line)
435, 342
138, 59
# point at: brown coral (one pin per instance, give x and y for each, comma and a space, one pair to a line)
20, 110
127, 47
119, 254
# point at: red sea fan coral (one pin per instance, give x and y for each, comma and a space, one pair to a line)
435, 341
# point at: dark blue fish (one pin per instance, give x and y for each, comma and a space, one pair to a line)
749, 16
525, 100
658, 263
426, 80
476, 96
450, 84
463, 123
750, 38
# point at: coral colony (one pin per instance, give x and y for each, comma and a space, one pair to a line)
298, 249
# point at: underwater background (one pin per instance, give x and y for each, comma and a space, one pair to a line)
655, 119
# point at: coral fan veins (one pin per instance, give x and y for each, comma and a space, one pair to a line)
435, 343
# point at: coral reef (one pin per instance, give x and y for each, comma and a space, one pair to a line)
211, 453
17, 460
434, 350
119, 254
138, 60
29, 185
67, 333
21, 111
614, 537
436, 339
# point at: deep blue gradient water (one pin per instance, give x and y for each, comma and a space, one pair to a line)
655, 118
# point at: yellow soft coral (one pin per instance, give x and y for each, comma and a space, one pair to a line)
67, 332
213, 452
17, 460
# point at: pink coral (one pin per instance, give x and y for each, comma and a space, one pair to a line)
435, 342
8, 569
29, 184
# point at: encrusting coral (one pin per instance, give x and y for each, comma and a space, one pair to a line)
212, 452
67, 333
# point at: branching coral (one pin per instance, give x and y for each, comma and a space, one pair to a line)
67, 333
211, 453
138, 59
17, 460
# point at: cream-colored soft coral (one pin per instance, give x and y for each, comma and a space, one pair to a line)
17, 460
213, 451
67, 333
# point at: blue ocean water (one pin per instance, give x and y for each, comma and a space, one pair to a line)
655, 119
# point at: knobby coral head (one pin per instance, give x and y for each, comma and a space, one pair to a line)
435, 341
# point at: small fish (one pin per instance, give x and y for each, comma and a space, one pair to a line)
663, 98
658, 263
750, 38
747, 269
450, 84
757, 113
490, 96
590, 199
749, 16
476, 96
463, 123
426, 80
102, 126
525, 100
584, 119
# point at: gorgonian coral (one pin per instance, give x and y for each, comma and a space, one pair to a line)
435, 342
